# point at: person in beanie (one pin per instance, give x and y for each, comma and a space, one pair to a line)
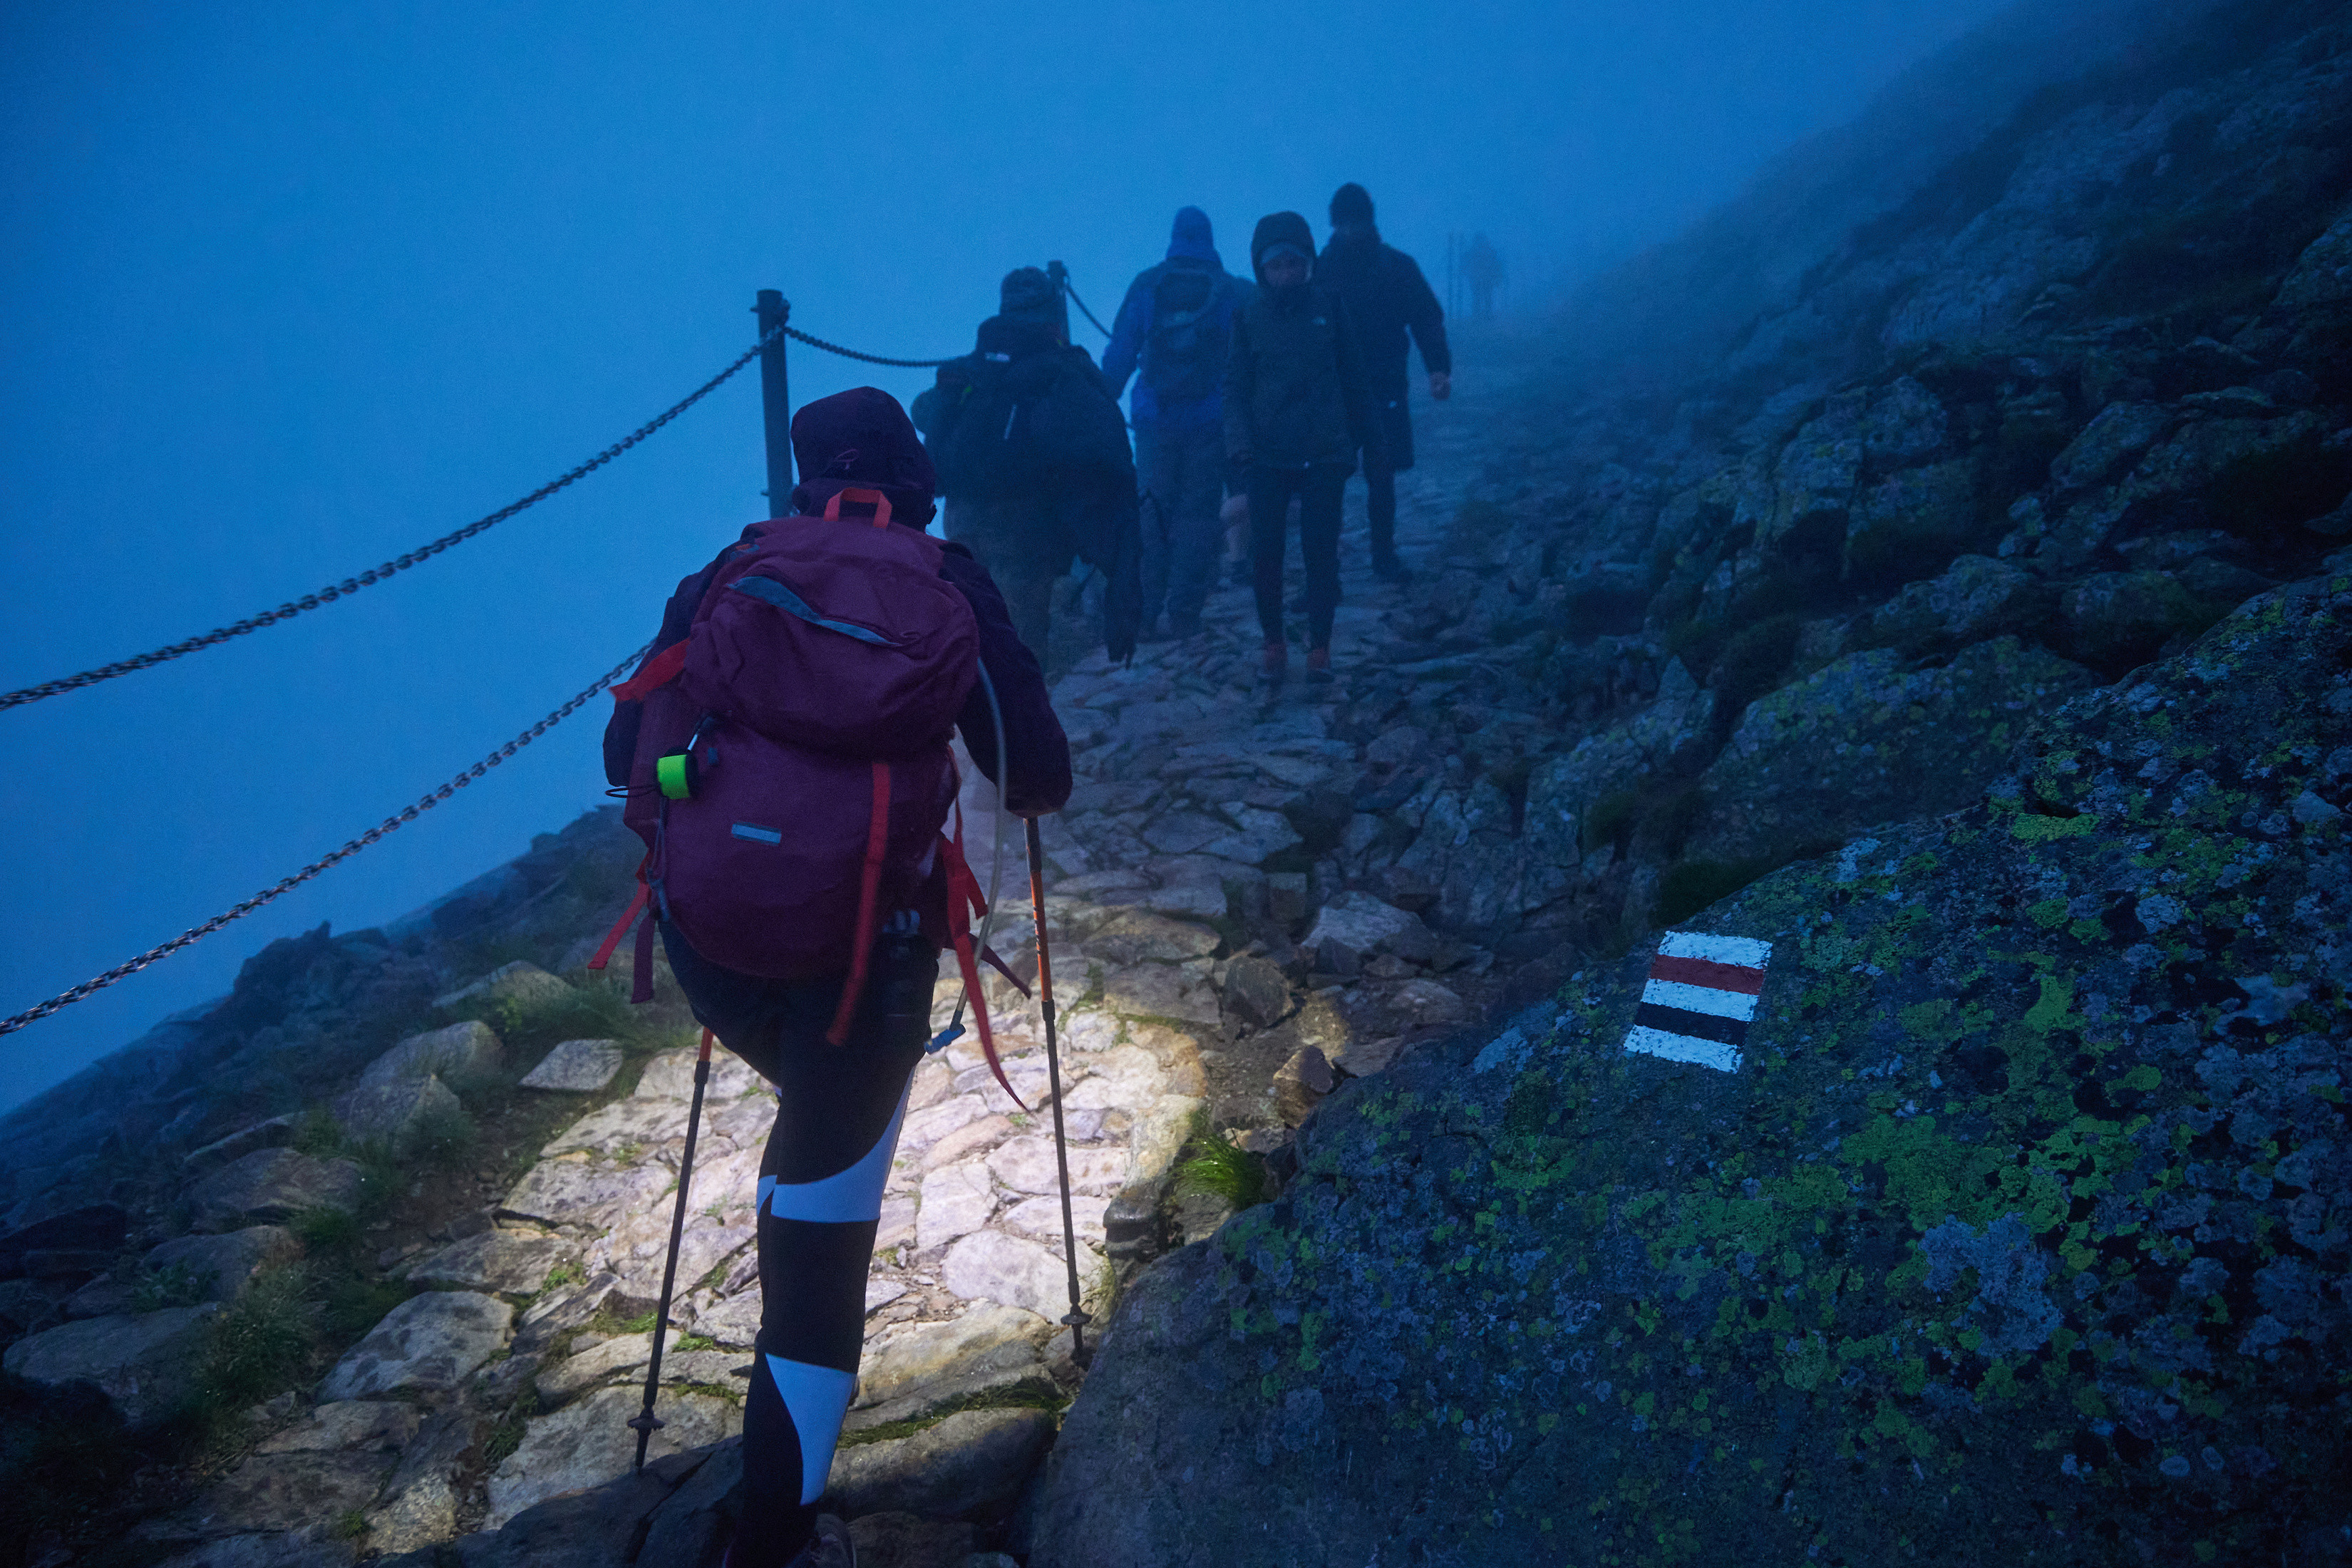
1034, 459
838, 1106
1297, 411
1386, 297
1177, 324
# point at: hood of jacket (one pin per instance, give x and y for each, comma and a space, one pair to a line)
1280, 229
1190, 238
862, 440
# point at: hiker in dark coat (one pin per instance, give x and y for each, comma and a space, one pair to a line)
839, 1106
1177, 323
1386, 297
1032, 457
1297, 410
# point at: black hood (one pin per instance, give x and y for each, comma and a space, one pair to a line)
1280, 229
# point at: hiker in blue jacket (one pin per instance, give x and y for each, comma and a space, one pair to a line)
1177, 324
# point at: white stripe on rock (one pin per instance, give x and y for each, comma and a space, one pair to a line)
1684, 1048
1746, 951
1700, 999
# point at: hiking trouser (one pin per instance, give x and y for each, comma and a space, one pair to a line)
838, 1108
1319, 487
1381, 468
1010, 539
1181, 474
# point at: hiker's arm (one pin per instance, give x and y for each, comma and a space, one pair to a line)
1127, 329
1240, 386
1426, 316
1355, 387
1039, 751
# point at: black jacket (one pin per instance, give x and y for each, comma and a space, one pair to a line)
1386, 297
1294, 387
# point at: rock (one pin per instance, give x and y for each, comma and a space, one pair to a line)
1863, 741
573, 1192
346, 1424
1911, 523
1028, 1165
271, 1187
692, 1526
220, 1266
2115, 620
98, 1225
1160, 990
990, 1266
429, 1345
1138, 936
418, 1508
671, 1076
2121, 432
1976, 598
2322, 274
460, 1051
145, 1363
398, 1112
1026, 1383
1426, 1004
903, 1541
1285, 898
600, 1525
905, 1356
525, 985
1300, 1084
1366, 925
626, 1358
956, 1201
1948, 1008
274, 1133
266, 1549
588, 1443
330, 1464
503, 1262
577, 1067
972, 1461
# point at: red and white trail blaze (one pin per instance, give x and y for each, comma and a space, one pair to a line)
1700, 998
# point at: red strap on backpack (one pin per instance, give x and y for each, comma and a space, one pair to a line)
964, 901
869, 892
659, 671
620, 926
881, 504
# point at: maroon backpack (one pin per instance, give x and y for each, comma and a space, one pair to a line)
792, 773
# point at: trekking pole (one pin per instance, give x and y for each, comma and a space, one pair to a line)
644, 1421
1078, 1319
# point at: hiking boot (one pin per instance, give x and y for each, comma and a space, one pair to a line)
1319, 666
1277, 664
830, 1548
1389, 569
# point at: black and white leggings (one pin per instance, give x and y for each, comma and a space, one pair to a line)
838, 1108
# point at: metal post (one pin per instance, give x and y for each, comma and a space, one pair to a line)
775, 398
1061, 277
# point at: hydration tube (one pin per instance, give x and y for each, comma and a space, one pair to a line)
946, 1036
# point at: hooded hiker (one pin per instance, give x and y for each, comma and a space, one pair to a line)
1386, 297
784, 755
1177, 325
1297, 410
1033, 459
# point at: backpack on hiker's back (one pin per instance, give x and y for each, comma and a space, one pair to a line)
1183, 358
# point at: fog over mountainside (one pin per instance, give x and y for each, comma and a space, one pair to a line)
1788, 1004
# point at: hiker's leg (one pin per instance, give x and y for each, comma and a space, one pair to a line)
1318, 546
1269, 492
1194, 532
820, 1196
1003, 535
1158, 471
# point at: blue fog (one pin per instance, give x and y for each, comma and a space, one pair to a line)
286, 290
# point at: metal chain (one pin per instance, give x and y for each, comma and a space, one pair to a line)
389, 825
1081, 304
398, 563
871, 359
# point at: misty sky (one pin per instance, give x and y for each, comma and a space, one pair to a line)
285, 289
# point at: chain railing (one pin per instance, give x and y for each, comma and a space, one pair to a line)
389, 825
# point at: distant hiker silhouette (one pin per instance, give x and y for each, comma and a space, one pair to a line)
1482, 269
784, 753
1033, 459
1386, 297
1177, 324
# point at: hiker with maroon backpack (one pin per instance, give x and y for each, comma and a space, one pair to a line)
783, 750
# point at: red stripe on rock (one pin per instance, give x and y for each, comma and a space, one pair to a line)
1703, 972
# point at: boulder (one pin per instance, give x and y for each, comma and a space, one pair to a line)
1256, 992
525, 985
327, 1464
1365, 925
971, 1462
990, 1266
2023, 1185
270, 1186
1139, 936
460, 1051
145, 1363
1865, 740
501, 1262
276, 1132
908, 1356
399, 1112
1300, 1084
2115, 620
577, 1067
588, 1443
1160, 990
220, 1266
91, 1226
1976, 598
428, 1344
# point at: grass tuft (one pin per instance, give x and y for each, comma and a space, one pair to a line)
1214, 1167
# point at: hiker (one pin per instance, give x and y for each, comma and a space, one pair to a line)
1297, 411
1386, 297
1177, 323
1482, 269
1032, 455
809, 677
